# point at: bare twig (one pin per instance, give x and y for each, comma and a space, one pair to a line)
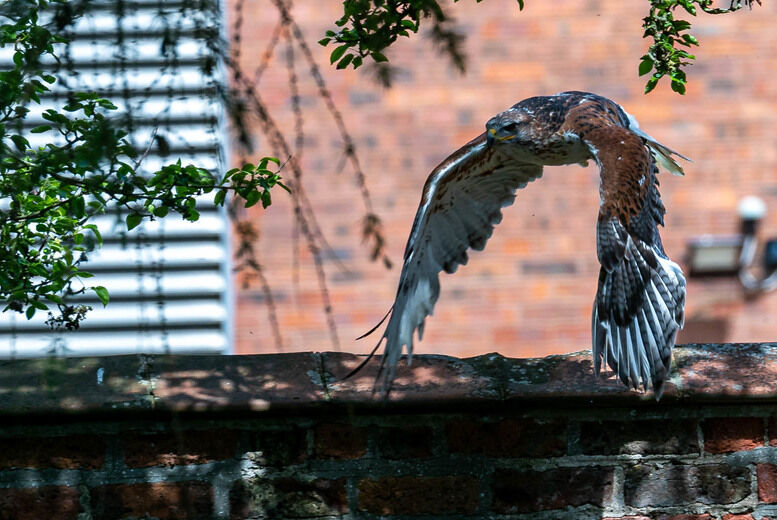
148, 148
349, 150
246, 253
306, 226
281, 147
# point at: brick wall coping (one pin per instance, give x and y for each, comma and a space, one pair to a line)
290, 382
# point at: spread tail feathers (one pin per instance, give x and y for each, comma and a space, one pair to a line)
636, 317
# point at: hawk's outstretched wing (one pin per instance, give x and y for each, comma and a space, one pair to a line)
461, 203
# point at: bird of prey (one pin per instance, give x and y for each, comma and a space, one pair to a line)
640, 299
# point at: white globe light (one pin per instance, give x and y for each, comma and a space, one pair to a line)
751, 208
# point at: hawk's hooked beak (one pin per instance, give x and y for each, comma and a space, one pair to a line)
490, 137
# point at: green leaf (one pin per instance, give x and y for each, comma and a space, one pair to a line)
102, 293
378, 56
21, 143
678, 86
345, 61
221, 195
161, 211
252, 198
133, 220
266, 199
681, 25
96, 232
651, 84
30, 312
338, 53
645, 66
324, 41
520, 5
78, 206
410, 25
40, 129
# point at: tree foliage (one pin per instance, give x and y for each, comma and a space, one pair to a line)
51, 193
667, 55
368, 27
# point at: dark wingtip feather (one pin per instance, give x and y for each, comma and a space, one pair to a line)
373, 329
366, 360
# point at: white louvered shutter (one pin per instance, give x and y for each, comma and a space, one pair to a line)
169, 280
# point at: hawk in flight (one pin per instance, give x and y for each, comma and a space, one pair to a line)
640, 299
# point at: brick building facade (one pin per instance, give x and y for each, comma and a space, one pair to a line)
530, 292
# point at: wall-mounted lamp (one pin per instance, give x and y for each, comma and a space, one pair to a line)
752, 210
714, 255
734, 255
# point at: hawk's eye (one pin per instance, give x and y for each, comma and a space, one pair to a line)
511, 127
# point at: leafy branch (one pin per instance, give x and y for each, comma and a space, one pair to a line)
368, 27
667, 54
51, 193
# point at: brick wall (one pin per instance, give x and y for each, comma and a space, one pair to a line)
530, 291
488, 437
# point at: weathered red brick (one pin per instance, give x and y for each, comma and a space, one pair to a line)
518, 491
767, 483
675, 485
686, 517
278, 447
419, 495
71, 452
163, 500
508, 438
772, 430
287, 498
626, 518
746, 516
729, 434
143, 450
49, 502
339, 441
660, 436
405, 442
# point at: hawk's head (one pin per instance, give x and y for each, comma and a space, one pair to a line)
532, 132
511, 126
